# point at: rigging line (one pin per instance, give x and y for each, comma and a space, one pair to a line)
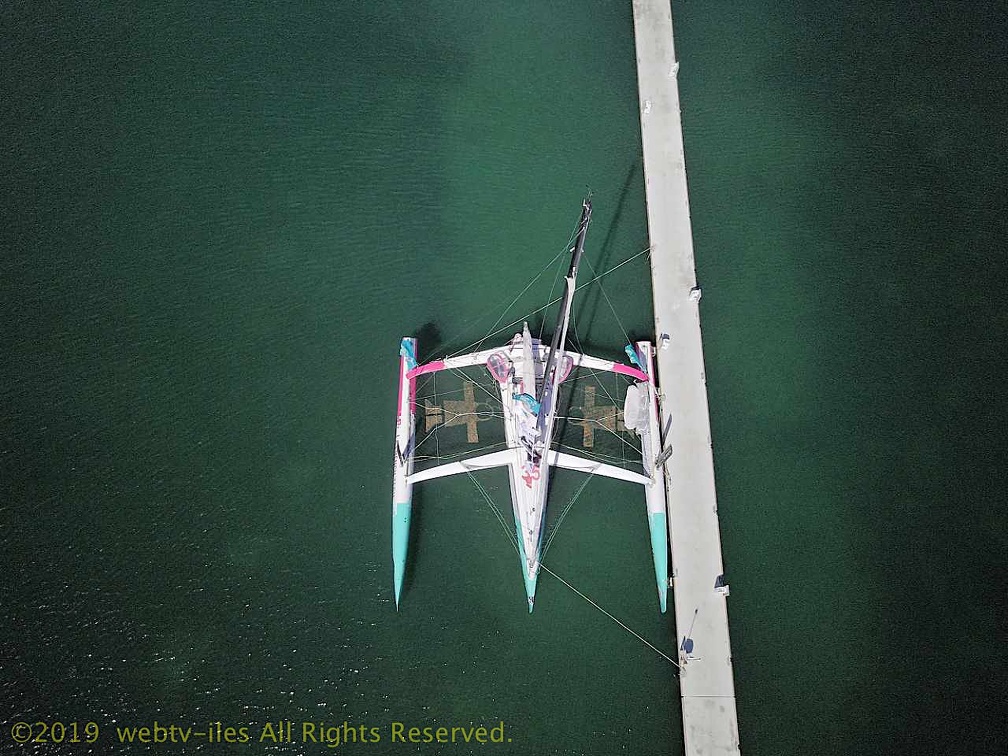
500, 517
457, 372
553, 302
461, 418
530, 283
556, 276
612, 309
437, 438
602, 386
512, 304
639, 637
427, 436
482, 417
618, 437
444, 393
421, 383
481, 410
563, 514
603, 457
454, 394
512, 539
542, 325
597, 425
462, 454
594, 374
574, 336
514, 544
483, 407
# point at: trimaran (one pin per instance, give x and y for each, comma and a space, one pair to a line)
529, 375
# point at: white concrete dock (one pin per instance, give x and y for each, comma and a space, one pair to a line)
710, 721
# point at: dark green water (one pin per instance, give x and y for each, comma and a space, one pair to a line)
847, 190
217, 223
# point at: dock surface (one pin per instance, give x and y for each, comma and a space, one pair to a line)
710, 721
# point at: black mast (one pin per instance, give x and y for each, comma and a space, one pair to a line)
563, 320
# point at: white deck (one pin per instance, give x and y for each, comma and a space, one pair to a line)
710, 721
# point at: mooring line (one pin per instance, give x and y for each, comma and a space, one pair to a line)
514, 543
638, 636
550, 303
563, 514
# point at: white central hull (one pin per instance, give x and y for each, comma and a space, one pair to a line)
527, 472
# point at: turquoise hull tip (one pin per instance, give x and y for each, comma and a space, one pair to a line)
530, 582
659, 551
530, 588
400, 544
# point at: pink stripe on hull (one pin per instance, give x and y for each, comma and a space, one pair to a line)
412, 397
631, 371
430, 367
402, 375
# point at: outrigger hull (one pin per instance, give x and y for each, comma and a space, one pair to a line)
654, 490
402, 487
